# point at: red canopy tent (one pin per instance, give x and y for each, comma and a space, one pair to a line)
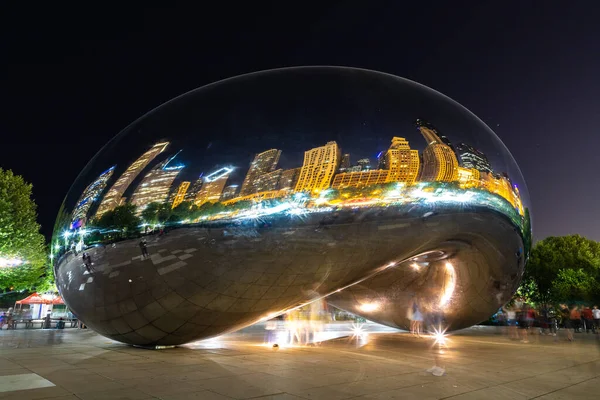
34, 299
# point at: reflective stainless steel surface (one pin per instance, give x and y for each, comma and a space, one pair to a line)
249, 197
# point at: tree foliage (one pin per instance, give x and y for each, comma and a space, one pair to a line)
563, 268
121, 218
19, 235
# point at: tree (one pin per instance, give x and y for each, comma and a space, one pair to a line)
122, 218
19, 236
574, 285
156, 213
549, 261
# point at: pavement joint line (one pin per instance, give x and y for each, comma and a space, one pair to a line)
566, 387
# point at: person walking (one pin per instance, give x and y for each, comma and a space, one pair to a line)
416, 318
596, 315
588, 319
144, 248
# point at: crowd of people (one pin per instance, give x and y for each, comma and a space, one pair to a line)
522, 317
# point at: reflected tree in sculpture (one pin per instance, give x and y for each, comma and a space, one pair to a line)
264, 192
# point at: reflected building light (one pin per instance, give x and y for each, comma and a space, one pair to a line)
213, 186
89, 195
318, 168
180, 194
449, 285
114, 197
156, 185
264, 163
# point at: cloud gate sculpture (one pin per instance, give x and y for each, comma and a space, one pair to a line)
257, 194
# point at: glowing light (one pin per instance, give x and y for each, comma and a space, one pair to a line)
67, 234
440, 337
57, 246
450, 284
357, 330
6, 262
369, 307
415, 266
218, 174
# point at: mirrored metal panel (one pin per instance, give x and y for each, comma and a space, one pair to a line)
254, 195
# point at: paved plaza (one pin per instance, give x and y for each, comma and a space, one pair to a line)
480, 363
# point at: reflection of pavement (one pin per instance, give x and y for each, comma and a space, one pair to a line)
479, 365
201, 282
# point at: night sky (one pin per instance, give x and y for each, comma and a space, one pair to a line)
72, 79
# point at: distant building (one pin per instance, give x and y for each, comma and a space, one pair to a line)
344, 163
114, 196
439, 161
364, 164
268, 181
180, 194
213, 186
468, 177
193, 191
263, 163
320, 164
89, 196
401, 161
156, 185
289, 179
470, 157
360, 178
229, 192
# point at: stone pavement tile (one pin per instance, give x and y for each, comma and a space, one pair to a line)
15, 371
34, 394
7, 364
490, 393
199, 395
164, 388
116, 394
121, 373
241, 387
536, 386
584, 390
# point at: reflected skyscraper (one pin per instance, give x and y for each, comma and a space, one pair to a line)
401, 161
439, 161
269, 181
114, 196
89, 195
193, 191
156, 185
213, 186
263, 163
229, 192
180, 194
470, 157
289, 179
345, 162
320, 164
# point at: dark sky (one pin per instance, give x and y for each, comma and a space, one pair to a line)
73, 78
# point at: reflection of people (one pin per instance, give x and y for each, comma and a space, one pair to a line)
144, 248
271, 327
87, 261
416, 318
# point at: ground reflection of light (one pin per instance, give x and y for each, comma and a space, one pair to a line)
368, 307
440, 337
449, 286
358, 330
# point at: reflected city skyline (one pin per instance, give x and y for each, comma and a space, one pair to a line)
324, 168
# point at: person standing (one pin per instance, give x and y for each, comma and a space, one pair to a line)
596, 315
588, 319
144, 248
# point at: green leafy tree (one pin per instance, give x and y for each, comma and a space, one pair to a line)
549, 262
20, 237
575, 285
122, 218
